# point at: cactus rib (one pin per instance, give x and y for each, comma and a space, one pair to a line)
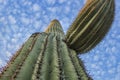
36, 72
28, 67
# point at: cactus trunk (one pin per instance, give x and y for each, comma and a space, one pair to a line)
45, 56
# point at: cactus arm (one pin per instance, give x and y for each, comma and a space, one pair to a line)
82, 14
90, 21
98, 33
96, 30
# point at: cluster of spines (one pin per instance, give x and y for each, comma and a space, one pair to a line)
91, 25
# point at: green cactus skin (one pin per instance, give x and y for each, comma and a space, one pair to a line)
91, 25
17, 61
52, 55
45, 56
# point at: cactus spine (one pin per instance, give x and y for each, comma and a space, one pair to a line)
52, 55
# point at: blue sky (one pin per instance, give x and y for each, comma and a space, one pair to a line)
20, 18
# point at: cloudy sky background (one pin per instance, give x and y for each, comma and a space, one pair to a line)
20, 18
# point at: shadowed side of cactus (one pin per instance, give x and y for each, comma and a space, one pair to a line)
91, 25
45, 56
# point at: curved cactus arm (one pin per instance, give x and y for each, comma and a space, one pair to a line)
91, 25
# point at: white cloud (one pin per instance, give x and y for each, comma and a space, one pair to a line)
4, 2
53, 9
117, 76
13, 40
61, 1
11, 19
25, 20
67, 10
51, 2
27, 3
3, 20
96, 57
36, 7
85, 1
1, 62
8, 54
37, 24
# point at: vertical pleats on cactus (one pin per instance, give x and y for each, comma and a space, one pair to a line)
45, 56
55, 28
52, 55
13, 67
91, 25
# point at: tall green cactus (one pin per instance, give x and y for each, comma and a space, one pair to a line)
52, 55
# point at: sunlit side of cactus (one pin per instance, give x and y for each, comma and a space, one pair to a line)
91, 25
52, 55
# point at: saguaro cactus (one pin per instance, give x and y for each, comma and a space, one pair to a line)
52, 55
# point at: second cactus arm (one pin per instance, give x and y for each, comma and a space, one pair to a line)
91, 25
